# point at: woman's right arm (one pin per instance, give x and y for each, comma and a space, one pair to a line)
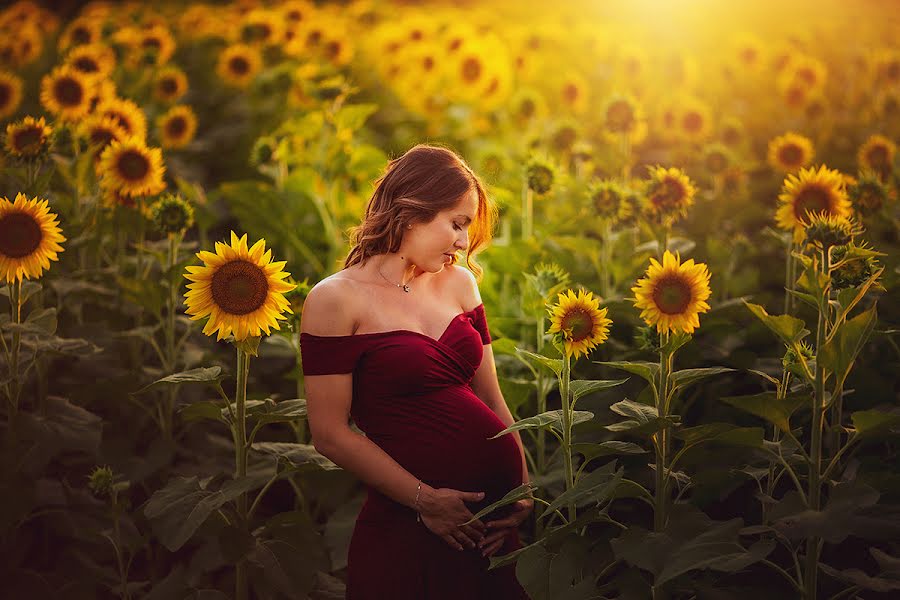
328, 399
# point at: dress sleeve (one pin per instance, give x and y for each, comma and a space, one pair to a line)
328, 355
479, 321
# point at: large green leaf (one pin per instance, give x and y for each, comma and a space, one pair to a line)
844, 344
546, 420
299, 456
850, 297
284, 411
554, 364
863, 580
596, 487
643, 419
583, 387
647, 370
767, 406
207, 375
205, 409
290, 551
790, 329
590, 450
183, 505
558, 575
526, 490
516, 392
873, 423
686, 377
63, 426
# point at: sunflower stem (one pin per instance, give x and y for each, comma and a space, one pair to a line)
567, 428
174, 240
541, 465
789, 267
16, 301
240, 438
665, 364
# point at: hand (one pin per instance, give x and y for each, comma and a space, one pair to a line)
444, 509
501, 528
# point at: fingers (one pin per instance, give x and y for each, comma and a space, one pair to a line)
471, 496
490, 549
472, 535
451, 541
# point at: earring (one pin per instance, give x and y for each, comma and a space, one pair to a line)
409, 226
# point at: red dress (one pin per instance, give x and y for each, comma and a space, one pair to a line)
412, 396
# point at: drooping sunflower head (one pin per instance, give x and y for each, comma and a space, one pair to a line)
811, 191
868, 193
548, 279
622, 115
825, 230
177, 127
672, 294
790, 152
669, 193
540, 174
10, 93
66, 93
238, 65
608, 198
170, 85
877, 154
28, 139
579, 321
855, 264
132, 168
30, 238
240, 289
171, 214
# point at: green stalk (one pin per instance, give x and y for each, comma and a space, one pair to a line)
15, 296
662, 447
815, 485
789, 268
567, 428
541, 401
169, 427
780, 394
240, 439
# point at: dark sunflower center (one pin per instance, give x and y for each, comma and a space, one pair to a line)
748, 55
257, 32
455, 43
731, 136
239, 65
176, 126
5, 95
878, 156
416, 35
471, 69
796, 96
68, 92
20, 235
716, 162
151, 43
620, 116
791, 155
579, 323
495, 84
672, 295
807, 75
101, 137
527, 108
570, 93
314, 38
86, 64
168, 86
333, 49
133, 165
81, 36
239, 287
428, 63
669, 194
813, 198
893, 71
693, 122
28, 139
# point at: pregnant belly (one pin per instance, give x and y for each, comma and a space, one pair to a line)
442, 438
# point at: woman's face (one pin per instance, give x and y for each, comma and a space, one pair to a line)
430, 245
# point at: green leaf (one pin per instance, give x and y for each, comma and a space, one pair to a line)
767, 406
722, 433
850, 297
644, 418
206, 409
874, 423
861, 579
596, 487
208, 375
505, 346
648, 370
590, 451
546, 420
790, 329
686, 377
301, 457
249, 345
844, 344
526, 490
807, 299
183, 505
583, 387
554, 364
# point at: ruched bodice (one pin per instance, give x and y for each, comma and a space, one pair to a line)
412, 396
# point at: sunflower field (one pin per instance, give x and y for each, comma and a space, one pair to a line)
692, 288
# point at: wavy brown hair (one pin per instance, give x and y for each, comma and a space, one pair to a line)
414, 188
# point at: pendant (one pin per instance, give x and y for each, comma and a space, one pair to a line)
405, 288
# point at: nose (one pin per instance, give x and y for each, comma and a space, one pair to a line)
462, 242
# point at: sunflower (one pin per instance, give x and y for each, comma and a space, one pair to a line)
868, 193
580, 321
66, 93
132, 168
27, 45
877, 154
10, 94
80, 31
240, 289
731, 132
29, 238
177, 126
717, 158
669, 194
152, 46
99, 131
573, 92
527, 105
94, 60
170, 84
28, 138
672, 295
622, 115
694, 120
826, 230
238, 65
297, 11
790, 152
261, 28
811, 190
608, 199
129, 115
748, 53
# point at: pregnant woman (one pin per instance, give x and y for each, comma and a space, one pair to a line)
399, 341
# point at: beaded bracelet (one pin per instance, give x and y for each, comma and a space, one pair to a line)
416, 503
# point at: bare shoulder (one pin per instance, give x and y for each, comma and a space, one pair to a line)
329, 308
464, 285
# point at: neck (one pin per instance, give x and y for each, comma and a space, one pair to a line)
397, 268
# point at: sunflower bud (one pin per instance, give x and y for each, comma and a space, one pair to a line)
868, 193
171, 214
540, 176
853, 272
263, 150
792, 362
826, 230
647, 338
100, 481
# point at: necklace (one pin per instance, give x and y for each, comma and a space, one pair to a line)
403, 286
